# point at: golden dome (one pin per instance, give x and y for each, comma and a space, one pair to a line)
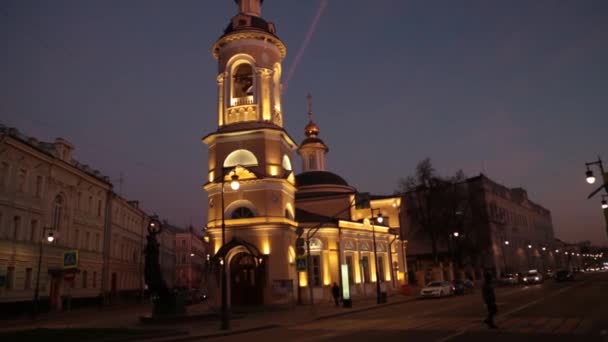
311, 130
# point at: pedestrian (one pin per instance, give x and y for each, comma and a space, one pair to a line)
335, 291
489, 298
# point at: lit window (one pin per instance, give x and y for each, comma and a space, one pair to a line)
242, 212
240, 157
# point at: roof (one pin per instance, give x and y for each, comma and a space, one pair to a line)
49, 149
319, 178
307, 216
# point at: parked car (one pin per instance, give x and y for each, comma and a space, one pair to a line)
463, 286
550, 273
564, 275
509, 279
532, 277
437, 289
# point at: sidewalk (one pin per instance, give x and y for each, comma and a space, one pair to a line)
282, 318
127, 318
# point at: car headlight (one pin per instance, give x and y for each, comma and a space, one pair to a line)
536, 278
525, 279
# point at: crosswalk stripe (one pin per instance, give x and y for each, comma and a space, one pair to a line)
568, 326
551, 325
535, 324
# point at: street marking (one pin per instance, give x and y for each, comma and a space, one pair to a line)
523, 307
568, 326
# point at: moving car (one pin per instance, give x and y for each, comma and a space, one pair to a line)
463, 286
532, 277
437, 289
564, 275
509, 279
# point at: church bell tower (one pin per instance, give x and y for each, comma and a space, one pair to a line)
251, 146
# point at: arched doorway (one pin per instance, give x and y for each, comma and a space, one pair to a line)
246, 280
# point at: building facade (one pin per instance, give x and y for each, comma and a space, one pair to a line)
257, 206
502, 231
191, 257
45, 192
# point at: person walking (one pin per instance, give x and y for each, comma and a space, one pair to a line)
335, 291
487, 291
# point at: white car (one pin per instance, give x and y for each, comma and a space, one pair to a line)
532, 277
437, 289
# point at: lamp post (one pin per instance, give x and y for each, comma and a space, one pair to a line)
504, 253
379, 219
50, 239
604, 203
225, 316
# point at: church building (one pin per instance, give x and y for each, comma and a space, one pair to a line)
284, 237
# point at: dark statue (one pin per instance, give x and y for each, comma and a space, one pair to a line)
165, 301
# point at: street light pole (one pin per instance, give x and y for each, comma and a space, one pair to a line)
50, 238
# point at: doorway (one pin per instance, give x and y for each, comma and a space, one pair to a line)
246, 281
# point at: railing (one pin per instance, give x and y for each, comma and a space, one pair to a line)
241, 101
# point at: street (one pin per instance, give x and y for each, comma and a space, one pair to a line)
569, 311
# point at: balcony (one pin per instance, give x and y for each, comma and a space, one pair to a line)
241, 101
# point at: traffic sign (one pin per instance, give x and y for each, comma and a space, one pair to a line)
300, 250
301, 263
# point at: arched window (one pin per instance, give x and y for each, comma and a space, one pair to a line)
242, 212
240, 157
286, 163
243, 81
57, 212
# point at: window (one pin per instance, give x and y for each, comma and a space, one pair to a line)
97, 241
135, 253
316, 270
28, 279
34, 231
242, 212
86, 240
312, 162
76, 237
349, 265
365, 266
380, 266
243, 81
21, 180
79, 201
240, 157
183, 243
16, 227
183, 258
38, 186
57, 212
10, 278
98, 208
94, 279
4, 173
90, 207
84, 279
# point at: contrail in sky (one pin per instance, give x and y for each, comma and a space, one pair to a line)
311, 31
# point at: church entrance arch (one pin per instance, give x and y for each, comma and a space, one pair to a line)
246, 280
246, 272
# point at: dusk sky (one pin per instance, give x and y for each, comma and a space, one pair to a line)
514, 89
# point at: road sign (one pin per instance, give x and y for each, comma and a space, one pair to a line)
300, 246
301, 263
70, 259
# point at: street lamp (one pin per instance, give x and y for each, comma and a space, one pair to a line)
234, 185
456, 234
604, 203
507, 242
529, 246
49, 238
590, 176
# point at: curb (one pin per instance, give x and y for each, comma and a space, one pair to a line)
219, 334
363, 309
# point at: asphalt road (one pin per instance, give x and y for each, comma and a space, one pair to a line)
570, 311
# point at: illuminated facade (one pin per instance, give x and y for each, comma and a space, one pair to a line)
43, 189
263, 215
